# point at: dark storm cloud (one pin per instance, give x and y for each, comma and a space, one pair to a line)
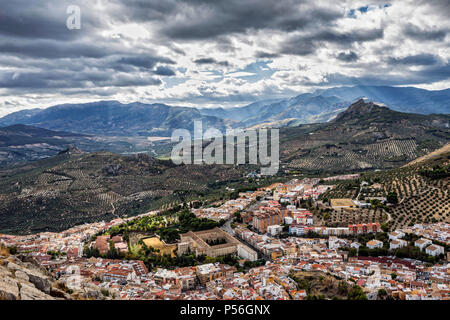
266, 55
426, 75
347, 38
204, 19
52, 49
211, 61
44, 19
415, 32
66, 80
41, 55
347, 57
418, 60
146, 62
303, 45
164, 71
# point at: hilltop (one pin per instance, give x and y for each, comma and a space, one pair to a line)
365, 136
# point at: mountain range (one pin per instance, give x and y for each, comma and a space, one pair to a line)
112, 118
324, 105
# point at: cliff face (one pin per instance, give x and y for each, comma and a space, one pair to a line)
23, 280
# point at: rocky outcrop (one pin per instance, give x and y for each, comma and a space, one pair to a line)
9, 289
40, 280
23, 280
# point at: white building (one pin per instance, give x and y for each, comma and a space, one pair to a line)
423, 243
396, 235
396, 244
274, 229
355, 245
374, 244
297, 229
434, 250
247, 253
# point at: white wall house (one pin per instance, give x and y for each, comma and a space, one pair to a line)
373, 244
396, 235
434, 250
423, 243
397, 244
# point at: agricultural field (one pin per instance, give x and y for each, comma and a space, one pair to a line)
57, 193
419, 198
344, 217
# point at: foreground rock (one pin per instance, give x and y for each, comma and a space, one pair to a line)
21, 280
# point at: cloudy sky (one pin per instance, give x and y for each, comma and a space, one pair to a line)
215, 52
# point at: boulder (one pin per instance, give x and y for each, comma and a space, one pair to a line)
40, 281
29, 292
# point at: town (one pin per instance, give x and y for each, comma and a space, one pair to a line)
270, 243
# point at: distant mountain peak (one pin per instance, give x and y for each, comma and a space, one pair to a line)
362, 107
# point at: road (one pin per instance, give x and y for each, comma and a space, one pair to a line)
227, 228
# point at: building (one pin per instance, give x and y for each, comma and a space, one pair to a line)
246, 253
364, 228
274, 229
396, 235
373, 244
102, 244
304, 217
199, 243
268, 216
119, 274
209, 272
335, 242
434, 250
397, 244
185, 278
355, 245
297, 229
423, 243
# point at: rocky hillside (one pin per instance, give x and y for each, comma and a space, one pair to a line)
22, 278
25, 280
